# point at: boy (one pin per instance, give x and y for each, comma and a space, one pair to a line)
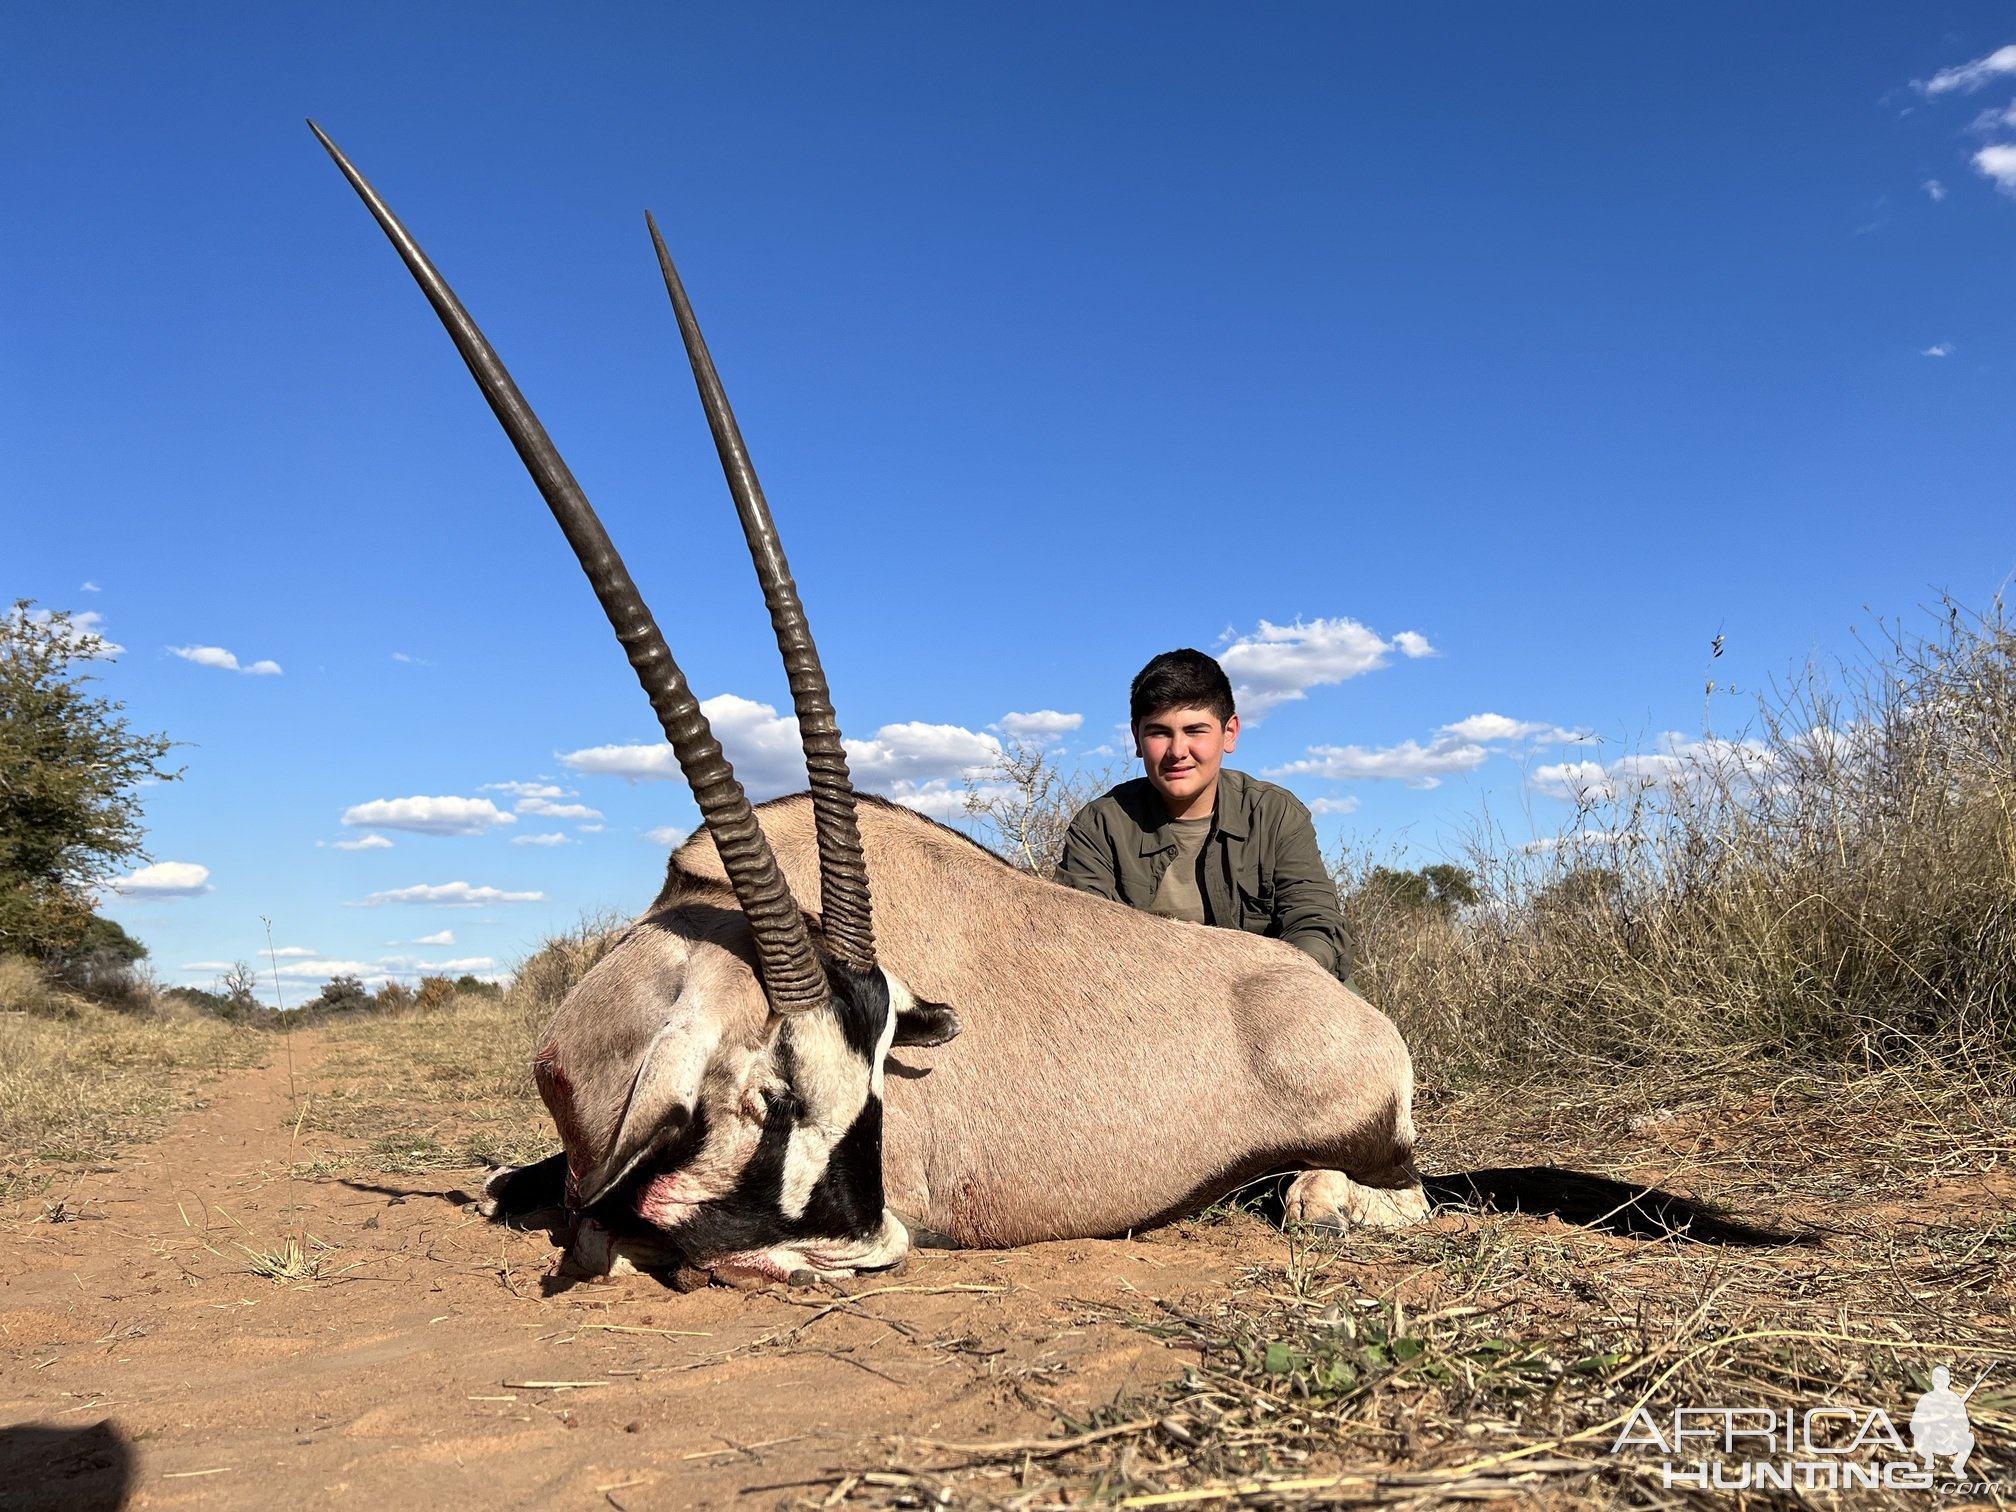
1197, 841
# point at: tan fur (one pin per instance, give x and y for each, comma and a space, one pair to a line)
1114, 1069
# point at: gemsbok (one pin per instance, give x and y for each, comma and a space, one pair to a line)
727, 1083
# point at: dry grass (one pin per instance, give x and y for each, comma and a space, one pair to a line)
1837, 882
436, 1088
550, 972
75, 1087
1498, 1356
23, 988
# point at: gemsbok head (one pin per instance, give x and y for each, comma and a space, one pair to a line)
719, 1074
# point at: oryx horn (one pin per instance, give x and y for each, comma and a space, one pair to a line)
845, 905
793, 979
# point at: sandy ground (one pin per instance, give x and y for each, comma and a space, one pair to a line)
145, 1362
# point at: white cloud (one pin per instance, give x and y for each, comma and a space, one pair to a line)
912, 753
1990, 121
1678, 762
261, 956
553, 839
1459, 747
936, 798
1968, 77
1277, 664
217, 656
1041, 724
1998, 163
444, 937
1585, 840
450, 895
413, 966
761, 746
633, 763
591, 829
83, 634
1410, 762
1934, 190
320, 970
1347, 805
1938, 349
428, 816
764, 749
89, 587
1577, 781
164, 879
411, 661
546, 808
527, 789
1499, 727
364, 842
671, 836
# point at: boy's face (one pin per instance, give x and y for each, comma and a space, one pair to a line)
1183, 750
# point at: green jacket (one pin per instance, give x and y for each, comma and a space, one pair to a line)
1260, 870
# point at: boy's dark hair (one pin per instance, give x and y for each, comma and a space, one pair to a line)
1182, 679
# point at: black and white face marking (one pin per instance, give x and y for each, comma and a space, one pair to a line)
810, 1194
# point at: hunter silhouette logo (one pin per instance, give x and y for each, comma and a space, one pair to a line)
1939, 1425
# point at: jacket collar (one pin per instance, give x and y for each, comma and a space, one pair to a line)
1232, 815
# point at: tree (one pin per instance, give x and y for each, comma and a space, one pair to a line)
1026, 802
101, 960
239, 988
1441, 888
71, 768
1585, 889
343, 994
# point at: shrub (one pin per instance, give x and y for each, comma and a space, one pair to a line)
23, 988
341, 994
104, 964
434, 992
550, 972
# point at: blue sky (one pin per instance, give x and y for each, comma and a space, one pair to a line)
1428, 364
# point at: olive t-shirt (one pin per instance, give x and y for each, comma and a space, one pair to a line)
1178, 897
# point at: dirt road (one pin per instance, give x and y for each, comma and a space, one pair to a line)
145, 1361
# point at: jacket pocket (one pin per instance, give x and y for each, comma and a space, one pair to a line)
1256, 900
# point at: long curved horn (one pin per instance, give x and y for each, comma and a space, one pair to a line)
793, 979
845, 903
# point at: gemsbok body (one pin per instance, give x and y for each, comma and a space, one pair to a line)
840, 1021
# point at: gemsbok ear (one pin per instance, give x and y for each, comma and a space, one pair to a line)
924, 1023
662, 1103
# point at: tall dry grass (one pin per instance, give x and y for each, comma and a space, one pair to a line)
1836, 880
